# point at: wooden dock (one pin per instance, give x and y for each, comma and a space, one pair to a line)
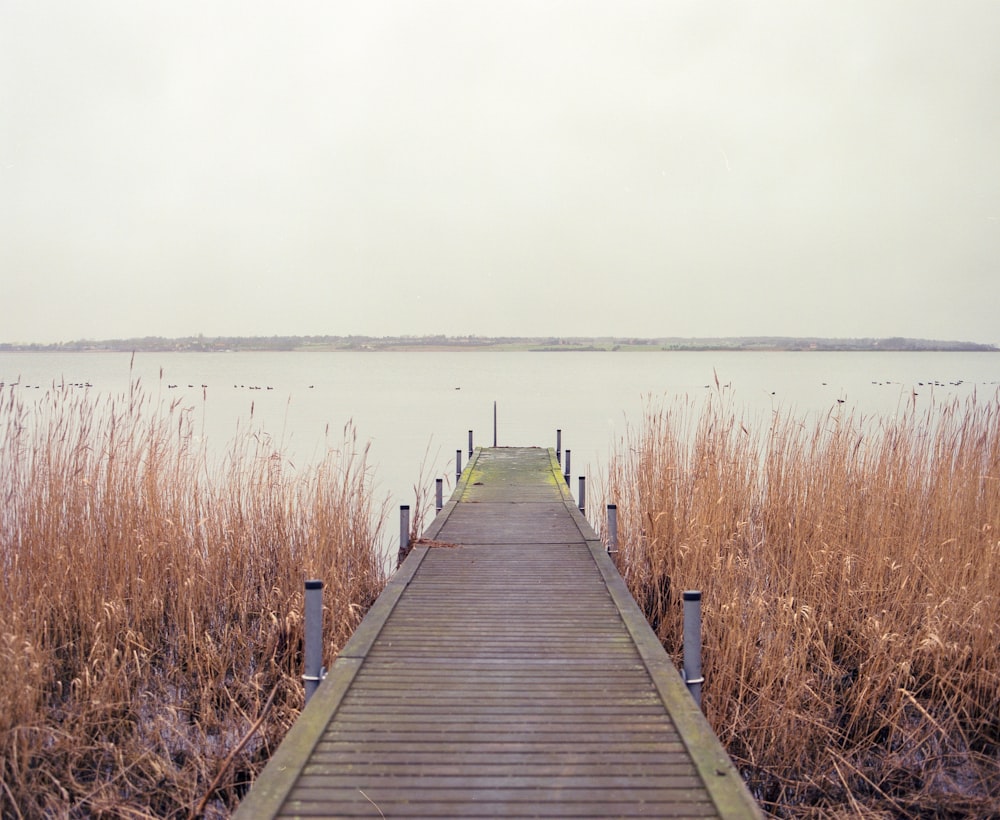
505, 671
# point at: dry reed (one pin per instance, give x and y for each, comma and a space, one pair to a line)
851, 595
150, 602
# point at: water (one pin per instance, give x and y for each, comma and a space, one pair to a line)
417, 407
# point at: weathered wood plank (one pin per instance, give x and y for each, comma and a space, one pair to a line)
560, 748
509, 765
542, 705
363, 806
690, 793
462, 783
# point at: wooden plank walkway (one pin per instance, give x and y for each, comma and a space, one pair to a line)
505, 671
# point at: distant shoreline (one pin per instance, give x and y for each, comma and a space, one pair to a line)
542, 344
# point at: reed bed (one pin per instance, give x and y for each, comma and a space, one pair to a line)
150, 602
851, 576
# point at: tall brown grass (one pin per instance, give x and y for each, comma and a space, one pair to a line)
851, 595
150, 601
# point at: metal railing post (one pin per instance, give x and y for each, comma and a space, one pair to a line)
438, 494
566, 468
313, 637
612, 528
582, 503
470, 444
458, 464
559, 446
692, 643
404, 532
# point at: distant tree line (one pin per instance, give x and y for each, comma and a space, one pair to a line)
210, 344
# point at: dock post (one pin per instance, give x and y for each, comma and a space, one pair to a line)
458, 464
566, 469
313, 637
470, 444
438, 494
559, 446
612, 528
692, 643
494, 424
404, 532
583, 495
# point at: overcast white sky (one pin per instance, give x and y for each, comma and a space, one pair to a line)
678, 167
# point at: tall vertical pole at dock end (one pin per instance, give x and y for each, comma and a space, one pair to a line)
494, 424
583, 494
458, 465
313, 637
566, 468
559, 446
470, 444
438, 494
692, 643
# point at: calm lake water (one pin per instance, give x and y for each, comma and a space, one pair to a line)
408, 405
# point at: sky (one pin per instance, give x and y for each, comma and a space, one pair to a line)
392, 167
